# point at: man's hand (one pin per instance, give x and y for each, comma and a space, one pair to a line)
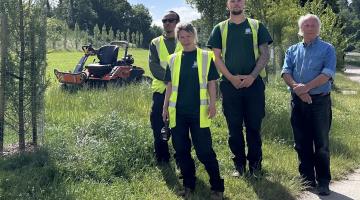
300, 89
247, 81
236, 81
305, 98
212, 111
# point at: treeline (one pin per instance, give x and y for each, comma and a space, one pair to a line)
74, 22
60, 36
22, 69
340, 22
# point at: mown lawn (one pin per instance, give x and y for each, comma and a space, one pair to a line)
98, 145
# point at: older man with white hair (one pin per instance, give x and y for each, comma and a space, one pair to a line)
308, 70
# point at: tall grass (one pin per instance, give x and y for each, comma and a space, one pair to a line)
98, 145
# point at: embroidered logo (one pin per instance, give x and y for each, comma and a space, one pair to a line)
194, 65
248, 31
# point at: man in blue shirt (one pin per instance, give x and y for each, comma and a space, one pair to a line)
308, 70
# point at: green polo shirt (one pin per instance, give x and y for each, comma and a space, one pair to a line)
239, 58
188, 99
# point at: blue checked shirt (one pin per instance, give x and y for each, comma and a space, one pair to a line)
306, 61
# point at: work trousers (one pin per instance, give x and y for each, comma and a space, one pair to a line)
244, 107
311, 125
201, 139
161, 147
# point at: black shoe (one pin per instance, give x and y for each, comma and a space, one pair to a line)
255, 170
216, 195
186, 193
323, 190
239, 171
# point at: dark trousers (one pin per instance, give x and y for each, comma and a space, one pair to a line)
244, 106
311, 125
201, 139
161, 147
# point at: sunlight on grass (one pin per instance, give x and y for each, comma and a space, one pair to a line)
98, 145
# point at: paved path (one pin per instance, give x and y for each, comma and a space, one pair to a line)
349, 188
353, 73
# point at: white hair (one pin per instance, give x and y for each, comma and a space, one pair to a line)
303, 18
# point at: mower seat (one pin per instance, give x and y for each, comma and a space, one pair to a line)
108, 54
108, 58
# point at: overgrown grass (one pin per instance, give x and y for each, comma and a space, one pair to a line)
98, 145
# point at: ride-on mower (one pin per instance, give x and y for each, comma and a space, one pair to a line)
108, 69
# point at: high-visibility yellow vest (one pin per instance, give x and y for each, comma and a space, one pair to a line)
158, 85
254, 25
203, 59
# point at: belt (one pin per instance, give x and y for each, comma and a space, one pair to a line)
320, 95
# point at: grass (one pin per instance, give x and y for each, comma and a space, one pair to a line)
353, 58
98, 145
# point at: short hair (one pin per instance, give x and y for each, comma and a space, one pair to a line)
173, 12
188, 27
303, 18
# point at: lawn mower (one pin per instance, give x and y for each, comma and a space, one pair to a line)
108, 69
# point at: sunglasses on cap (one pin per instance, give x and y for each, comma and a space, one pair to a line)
168, 20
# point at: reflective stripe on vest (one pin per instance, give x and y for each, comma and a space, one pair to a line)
254, 25
204, 58
158, 85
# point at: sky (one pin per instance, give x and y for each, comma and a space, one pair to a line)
158, 8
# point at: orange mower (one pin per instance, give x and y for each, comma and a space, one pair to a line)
108, 69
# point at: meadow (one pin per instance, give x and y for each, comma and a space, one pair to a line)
98, 145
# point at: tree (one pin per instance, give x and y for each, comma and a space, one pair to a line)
96, 36
3, 63
122, 36
111, 35
133, 38
77, 36
128, 35
55, 30
103, 35
65, 35
355, 6
137, 36
141, 40
21, 110
25, 71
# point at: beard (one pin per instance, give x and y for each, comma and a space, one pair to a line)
238, 12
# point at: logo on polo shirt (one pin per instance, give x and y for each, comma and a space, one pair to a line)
194, 65
248, 31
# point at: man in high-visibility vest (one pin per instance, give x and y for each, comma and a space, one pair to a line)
240, 45
159, 50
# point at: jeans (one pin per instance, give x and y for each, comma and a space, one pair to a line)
311, 125
245, 106
201, 139
161, 147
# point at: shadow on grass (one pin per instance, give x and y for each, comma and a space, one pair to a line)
170, 177
269, 190
31, 175
202, 190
